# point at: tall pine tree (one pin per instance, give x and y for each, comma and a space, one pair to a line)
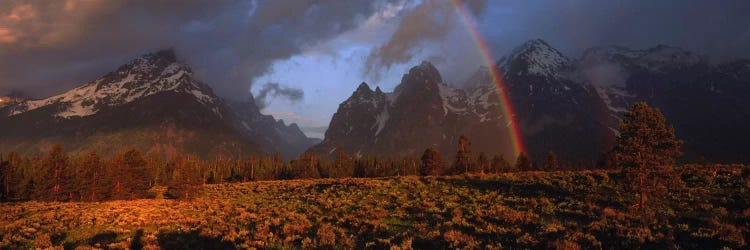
523, 163
645, 143
463, 162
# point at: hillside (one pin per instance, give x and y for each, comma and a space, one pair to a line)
557, 210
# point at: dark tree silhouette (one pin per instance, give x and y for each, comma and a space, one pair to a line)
463, 162
499, 164
483, 164
522, 162
550, 162
431, 162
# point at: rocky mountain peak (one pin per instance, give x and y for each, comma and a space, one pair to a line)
423, 78
426, 69
154, 63
378, 91
536, 58
363, 89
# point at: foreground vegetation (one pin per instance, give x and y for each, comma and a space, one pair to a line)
706, 208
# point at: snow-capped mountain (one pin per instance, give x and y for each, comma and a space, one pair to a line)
143, 77
154, 103
570, 106
534, 58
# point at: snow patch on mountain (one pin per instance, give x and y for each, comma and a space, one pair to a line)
133, 81
380, 120
538, 58
655, 59
450, 95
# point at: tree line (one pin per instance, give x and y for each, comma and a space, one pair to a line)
62, 176
645, 143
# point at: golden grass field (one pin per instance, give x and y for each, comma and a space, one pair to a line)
556, 210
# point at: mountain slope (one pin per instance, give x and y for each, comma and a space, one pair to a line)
153, 103
707, 104
421, 112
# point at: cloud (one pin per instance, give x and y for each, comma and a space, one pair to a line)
713, 28
228, 43
273, 89
432, 20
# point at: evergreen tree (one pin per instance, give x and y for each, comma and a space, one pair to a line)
5, 176
483, 163
499, 164
644, 144
131, 178
359, 169
463, 162
522, 162
185, 179
53, 184
11, 177
431, 162
550, 162
277, 163
89, 184
308, 165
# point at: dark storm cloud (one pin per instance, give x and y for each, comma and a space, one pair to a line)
718, 29
432, 20
50, 46
273, 89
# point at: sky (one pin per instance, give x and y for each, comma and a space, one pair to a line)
302, 58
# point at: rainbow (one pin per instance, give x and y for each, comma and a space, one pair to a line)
496, 76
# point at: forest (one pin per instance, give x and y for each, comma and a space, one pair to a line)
131, 174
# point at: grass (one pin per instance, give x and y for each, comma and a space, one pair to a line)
558, 210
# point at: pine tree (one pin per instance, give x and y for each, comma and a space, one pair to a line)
483, 163
431, 162
522, 162
645, 143
54, 184
11, 177
463, 162
499, 164
550, 162
184, 179
308, 165
131, 178
89, 184
359, 169
5, 176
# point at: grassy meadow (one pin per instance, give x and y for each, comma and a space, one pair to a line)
708, 209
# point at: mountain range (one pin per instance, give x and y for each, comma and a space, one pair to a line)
153, 103
569, 106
